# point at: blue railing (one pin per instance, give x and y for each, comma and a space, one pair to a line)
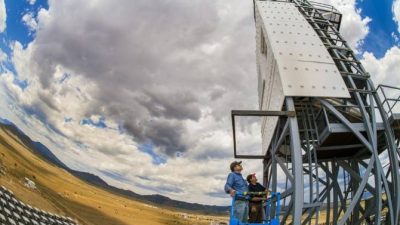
270, 217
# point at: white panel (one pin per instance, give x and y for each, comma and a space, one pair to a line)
295, 62
305, 66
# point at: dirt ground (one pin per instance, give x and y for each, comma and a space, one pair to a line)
61, 193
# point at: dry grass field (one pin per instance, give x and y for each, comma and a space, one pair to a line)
61, 193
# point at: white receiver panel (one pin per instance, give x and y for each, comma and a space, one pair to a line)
291, 61
304, 64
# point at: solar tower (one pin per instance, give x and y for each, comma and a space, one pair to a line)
329, 136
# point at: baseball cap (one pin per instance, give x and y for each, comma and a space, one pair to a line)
235, 163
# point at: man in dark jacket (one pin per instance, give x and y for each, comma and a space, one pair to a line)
255, 203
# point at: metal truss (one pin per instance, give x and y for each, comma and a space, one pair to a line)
353, 180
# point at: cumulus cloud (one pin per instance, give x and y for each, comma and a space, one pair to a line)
166, 73
3, 56
3, 16
395, 37
396, 12
30, 21
151, 62
384, 70
354, 27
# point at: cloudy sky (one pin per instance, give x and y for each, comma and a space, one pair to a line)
140, 92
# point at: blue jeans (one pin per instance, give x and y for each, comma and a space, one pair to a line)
241, 211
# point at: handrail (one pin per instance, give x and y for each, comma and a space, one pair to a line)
248, 193
390, 102
254, 113
268, 219
324, 6
388, 86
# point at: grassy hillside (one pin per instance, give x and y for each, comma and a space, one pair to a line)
62, 193
44, 153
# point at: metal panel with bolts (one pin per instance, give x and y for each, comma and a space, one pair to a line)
304, 65
291, 61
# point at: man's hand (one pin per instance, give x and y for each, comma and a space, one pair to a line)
233, 192
258, 199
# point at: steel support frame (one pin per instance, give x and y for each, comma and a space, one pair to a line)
288, 135
344, 200
364, 99
339, 184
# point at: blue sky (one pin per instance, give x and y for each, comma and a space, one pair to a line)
378, 40
16, 30
110, 97
382, 26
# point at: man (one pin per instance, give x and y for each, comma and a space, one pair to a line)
255, 203
236, 183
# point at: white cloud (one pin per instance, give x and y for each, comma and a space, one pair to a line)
3, 56
3, 16
150, 86
354, 27
384, 70
173, 83
395, 37
30, 21
169, 72
396, 13
32, 2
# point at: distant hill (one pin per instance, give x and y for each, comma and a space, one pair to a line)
57, 190
157, 200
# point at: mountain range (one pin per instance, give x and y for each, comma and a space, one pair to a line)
156, 199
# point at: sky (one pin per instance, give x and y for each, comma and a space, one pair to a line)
140, 92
